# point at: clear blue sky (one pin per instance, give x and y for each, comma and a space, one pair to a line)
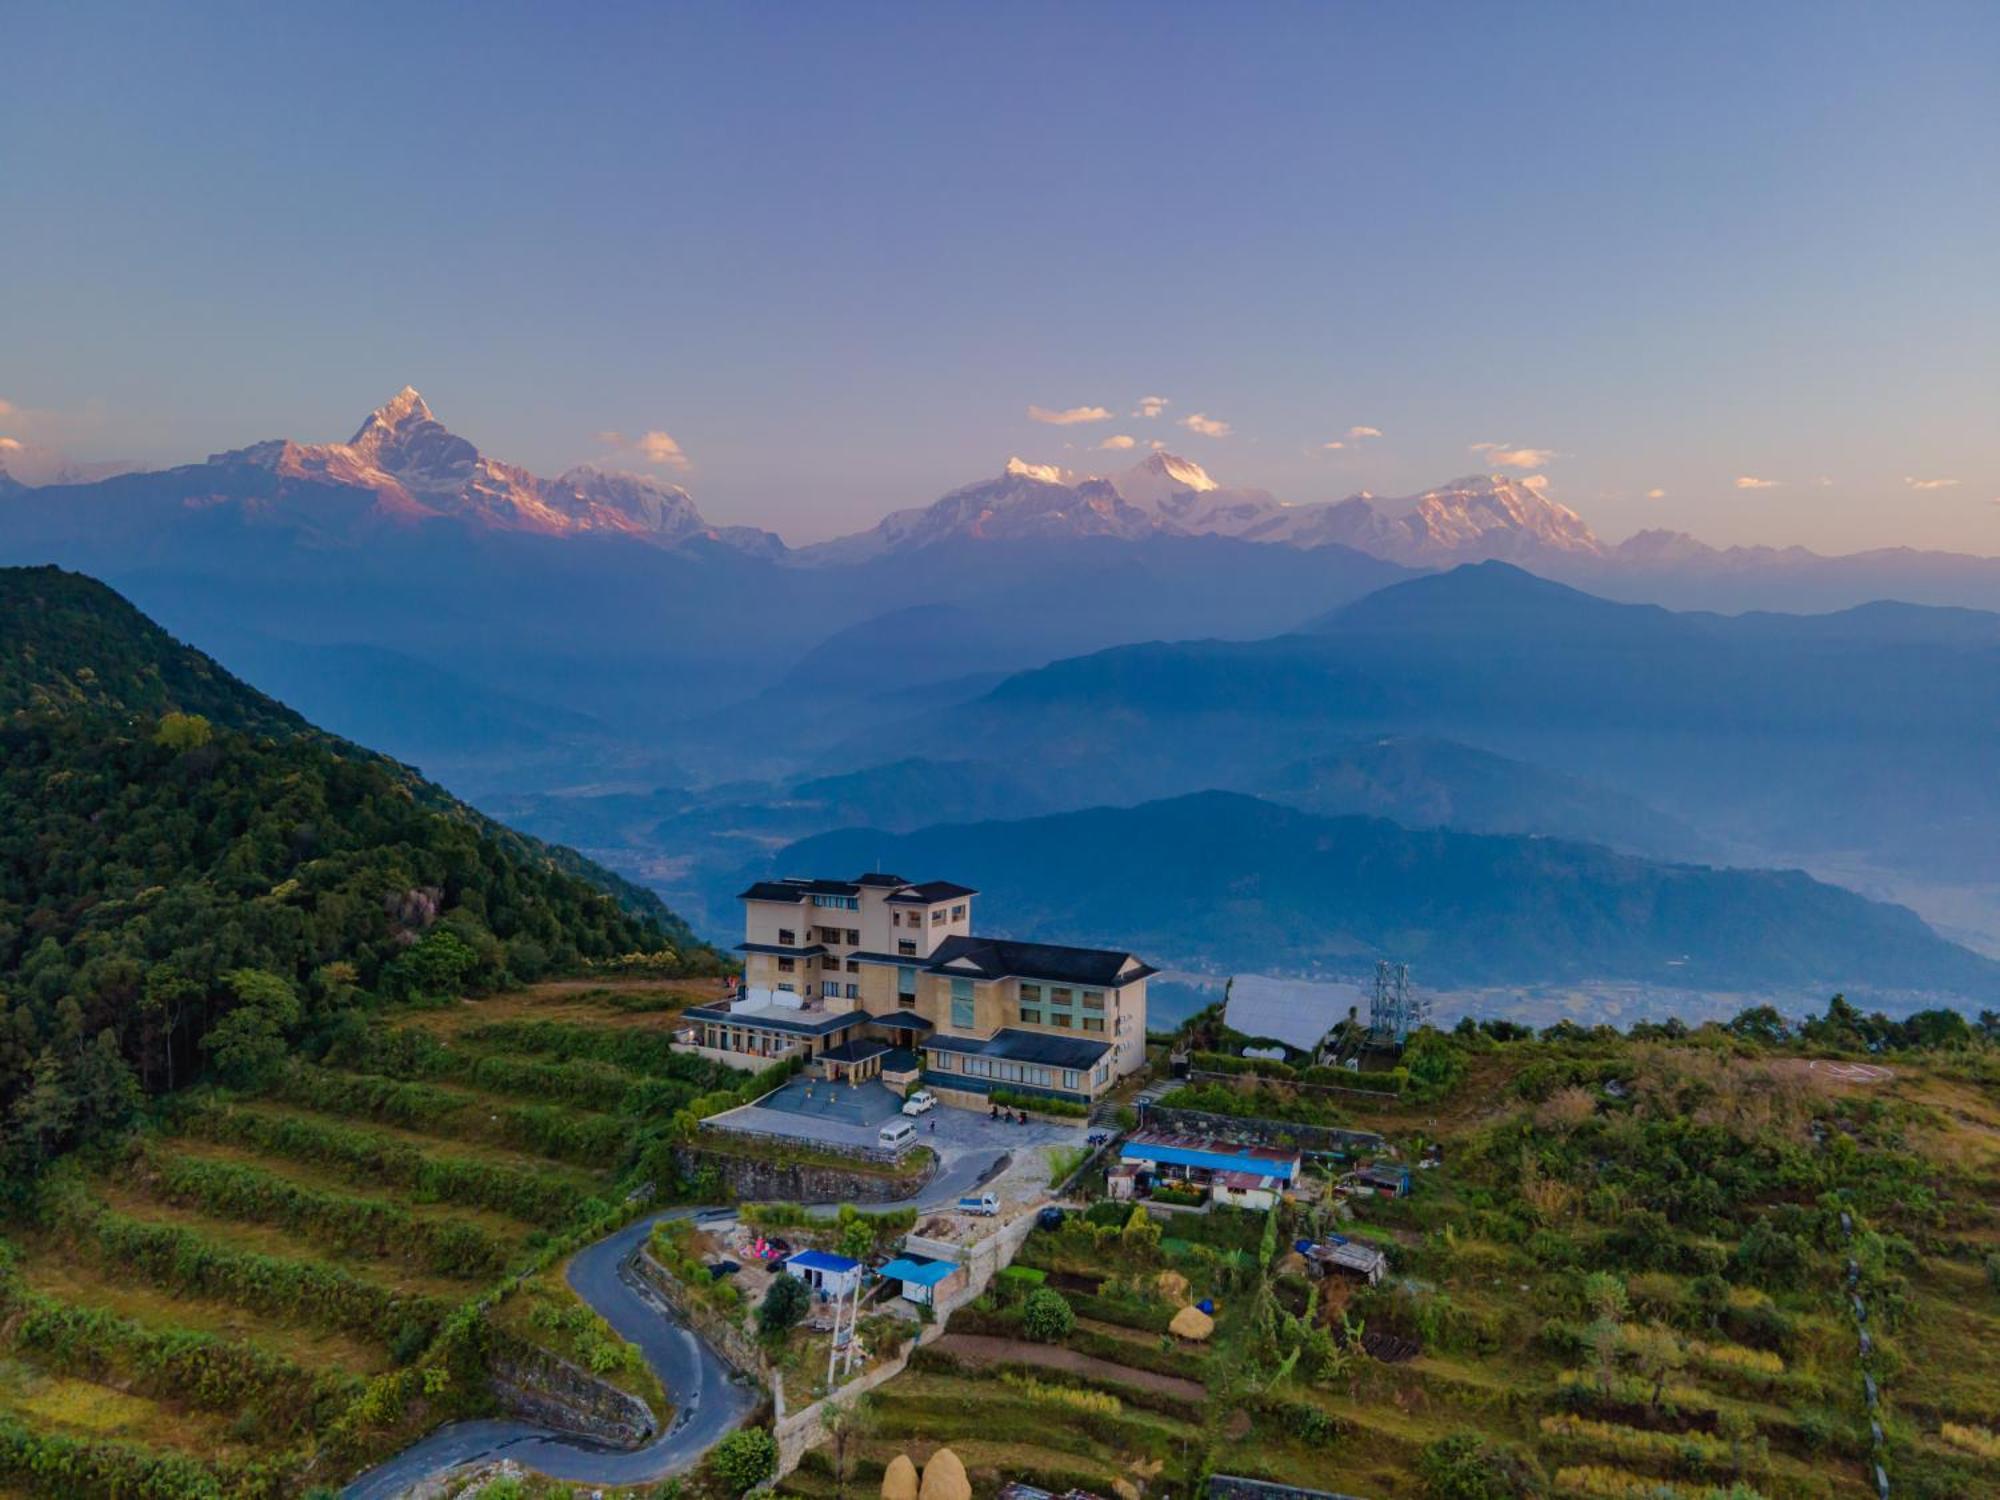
836, 251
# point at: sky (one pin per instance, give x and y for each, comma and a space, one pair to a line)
1721, 268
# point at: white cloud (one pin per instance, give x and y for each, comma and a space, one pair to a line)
1206, 426
8, 409
1333, 447
1364, 432
1068, 416
1503, 457
1929, 484
10, 445
657, 448
1535, 483
1151, 406
1155, 444
1824, 481
1656, 494
1118, 442
1752, 482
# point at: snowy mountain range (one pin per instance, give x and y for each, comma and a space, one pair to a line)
404, 473
1477, 518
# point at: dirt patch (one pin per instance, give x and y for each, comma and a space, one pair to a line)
1825, 1070
980, 1349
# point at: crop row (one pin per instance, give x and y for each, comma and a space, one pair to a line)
372, 1159
180, 1259
343, 1221
176, 1364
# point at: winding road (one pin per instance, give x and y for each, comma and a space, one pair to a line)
709, 1398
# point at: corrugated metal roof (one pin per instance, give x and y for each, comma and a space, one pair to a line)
823, 1260
923, 1272
1213, 1156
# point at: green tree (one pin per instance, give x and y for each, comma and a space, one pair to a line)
248, 1044
434, 966
746, 1458
784, 1304
1046, 1316
179, 732
44, 1115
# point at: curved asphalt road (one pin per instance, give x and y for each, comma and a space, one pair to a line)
708, 1402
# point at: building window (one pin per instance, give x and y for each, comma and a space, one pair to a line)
1061, 996
958, 914
854, 937
961, 1004
829, 934
1031, 1018
787, 965
788, 988
940, 1060
906, 949
838, 903
1093, 1000
785, 936
853, 966
1070, 1078
937, 917
1093, 1023
1031, 994
1062, 1018
854, 993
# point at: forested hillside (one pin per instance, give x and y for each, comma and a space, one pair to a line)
192, 878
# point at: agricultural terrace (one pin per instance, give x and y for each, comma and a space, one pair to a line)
1630, 1276
273, 1288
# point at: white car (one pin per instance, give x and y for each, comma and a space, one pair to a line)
923, 1101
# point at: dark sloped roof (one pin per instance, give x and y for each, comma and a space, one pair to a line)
780, 951
902, 1020
931, 892
1026, 1047
856, 1049
997, 958
882, 882
773, 890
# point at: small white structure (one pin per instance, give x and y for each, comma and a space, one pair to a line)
826, 1273
1254, 1190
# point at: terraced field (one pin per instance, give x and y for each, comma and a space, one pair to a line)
268, 1291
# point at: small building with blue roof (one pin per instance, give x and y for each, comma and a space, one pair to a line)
826, 1273
922, 1279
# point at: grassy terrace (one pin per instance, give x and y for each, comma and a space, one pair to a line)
1634, 1291
251, 1297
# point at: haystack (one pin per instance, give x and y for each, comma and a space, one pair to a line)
1125, 1489
944, 1478
1173, 1286
899, 1480
1292, 1264
1191, 1323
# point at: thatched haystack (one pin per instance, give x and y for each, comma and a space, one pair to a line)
899, 1480
1191, 1323
1173, 1286
944, 1478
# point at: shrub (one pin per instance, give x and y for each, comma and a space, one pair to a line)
747, 1457
1046, 1316
784, 1304
1467, 1466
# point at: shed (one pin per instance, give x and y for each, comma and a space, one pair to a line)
1254, 1190
826, 1273
1350, 1259
1395, 1181
922, 1279
1121, 1183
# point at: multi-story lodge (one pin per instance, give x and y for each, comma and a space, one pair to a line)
879, 977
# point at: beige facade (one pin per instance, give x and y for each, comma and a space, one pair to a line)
837, 968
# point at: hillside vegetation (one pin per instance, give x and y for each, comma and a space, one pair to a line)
193, 879
1635, 1275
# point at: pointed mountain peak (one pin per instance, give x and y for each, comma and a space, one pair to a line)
406, 408
1183, 472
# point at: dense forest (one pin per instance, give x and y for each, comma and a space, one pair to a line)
193, 879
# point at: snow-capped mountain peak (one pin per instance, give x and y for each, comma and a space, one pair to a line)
1160, 474
1020, 468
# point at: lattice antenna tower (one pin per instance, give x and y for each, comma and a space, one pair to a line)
1394, 1010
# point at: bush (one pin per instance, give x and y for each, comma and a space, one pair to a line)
1466, 1466
784, 1304
1046, 1316
747, 1457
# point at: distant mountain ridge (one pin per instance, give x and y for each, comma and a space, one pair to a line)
1219, 882
402, 468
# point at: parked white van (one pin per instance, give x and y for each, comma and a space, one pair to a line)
896, 1135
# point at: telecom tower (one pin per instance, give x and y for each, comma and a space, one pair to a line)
1393, 1011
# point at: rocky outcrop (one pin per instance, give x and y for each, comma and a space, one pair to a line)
537, 1386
